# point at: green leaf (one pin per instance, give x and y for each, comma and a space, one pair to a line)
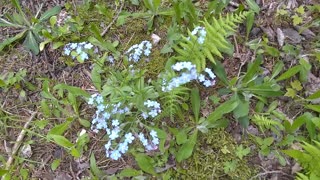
61, 141
187, 148
59, 129
76, 91
182, 137
299, 121
3, 172
224, 108
253, 5
296, 20
53, 21
195, 102
313, 107
242, 109
55, 164
296, 85
241, 152
31, 43
8, 41
277, 69
249, 23
315, 95
74, 152
50, 12
129, 172
289, 73
268, 141
93, 167
290, 93
145, 163
253, 69
244, 121
219, 70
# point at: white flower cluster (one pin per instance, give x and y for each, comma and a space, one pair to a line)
137, 50
77, 50
200, 33
189, 73
154, 109
106, 118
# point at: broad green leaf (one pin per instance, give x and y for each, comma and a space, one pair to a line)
219, 70
265, 90
253, 5
289, 73
8, 41
16, 4
224, 108
145, 163
313, 107
31, 43
244, 121
253, 69
76, 91
93, 167
50, 12
102, 9
129, 172
195, 103
268, 141
55, 164
315, 95
61, 141
299, 121
84, 123
277, 69
3, 172
53, 21
59, 129
74, 152
249, 23
186, 149
182, 137
96, 31
243, 107
45, 108
96, 77
104, 45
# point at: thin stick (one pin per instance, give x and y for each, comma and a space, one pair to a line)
19, 141
113, 20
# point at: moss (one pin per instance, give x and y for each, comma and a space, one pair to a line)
208, 159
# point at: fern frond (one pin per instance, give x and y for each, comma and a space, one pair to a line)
264, 122
171, 101
215, 42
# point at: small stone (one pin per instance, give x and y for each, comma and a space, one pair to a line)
26, 151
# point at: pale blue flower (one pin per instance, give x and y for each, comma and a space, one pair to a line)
67, 51
155, 141
207, 83
115, 122
88, 46
114, 134
129, 138
144, 115
106, 115
201, 78
99, 99
115, 155
108, 145
153, 133
123, 147
84, 55
73, 45
200, 40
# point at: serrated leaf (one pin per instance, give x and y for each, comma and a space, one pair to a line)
50, 12
296, 20
296, 85
290, 93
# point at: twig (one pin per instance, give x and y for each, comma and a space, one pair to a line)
18, 142
269, 172
113, 20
